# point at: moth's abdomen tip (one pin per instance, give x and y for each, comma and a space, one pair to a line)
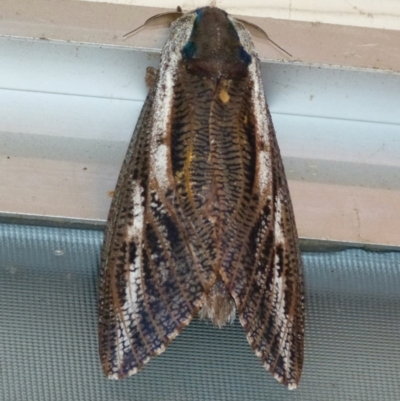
292, 386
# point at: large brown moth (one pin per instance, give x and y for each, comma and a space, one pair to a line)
201, 220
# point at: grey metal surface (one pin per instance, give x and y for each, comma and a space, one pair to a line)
103, 87
69, 109
48, 332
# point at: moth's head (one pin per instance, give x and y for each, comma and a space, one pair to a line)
214, 49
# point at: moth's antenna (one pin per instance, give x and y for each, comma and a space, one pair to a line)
175, 14
266, 35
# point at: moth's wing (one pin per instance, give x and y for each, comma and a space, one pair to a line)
262, 267
265, 276
150, 285
274, 317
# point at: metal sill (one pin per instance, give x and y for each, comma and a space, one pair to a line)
69, 105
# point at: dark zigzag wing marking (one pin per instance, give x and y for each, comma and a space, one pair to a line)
288, 358
262, 266
152, 279
274, 323
115, 250
252, 255
265, 277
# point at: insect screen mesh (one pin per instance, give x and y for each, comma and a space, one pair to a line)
48, 331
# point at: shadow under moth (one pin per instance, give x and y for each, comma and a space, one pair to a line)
201, 221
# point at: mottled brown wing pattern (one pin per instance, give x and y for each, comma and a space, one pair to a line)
262, 270
115, 254
262, 266
152, 280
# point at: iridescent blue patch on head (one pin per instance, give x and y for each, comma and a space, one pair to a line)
189, 50
199, 12
244, 56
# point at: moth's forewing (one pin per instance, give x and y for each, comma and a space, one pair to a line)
263, 267
202, 204
153, 279
115, 258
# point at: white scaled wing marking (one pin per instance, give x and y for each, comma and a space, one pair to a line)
170, 58
260, 109
134, 291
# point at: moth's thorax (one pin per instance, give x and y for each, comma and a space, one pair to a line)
214, 49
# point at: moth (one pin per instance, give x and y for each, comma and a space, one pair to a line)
201, 221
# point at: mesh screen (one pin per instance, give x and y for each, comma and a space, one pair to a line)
48, 331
